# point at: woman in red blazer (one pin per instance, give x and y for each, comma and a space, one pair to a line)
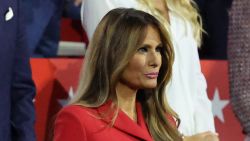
121, 90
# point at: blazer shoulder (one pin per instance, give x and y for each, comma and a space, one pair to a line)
70, 123
77, 111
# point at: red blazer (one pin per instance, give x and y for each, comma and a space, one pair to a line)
77, 123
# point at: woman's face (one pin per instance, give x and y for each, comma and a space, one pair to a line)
143, 68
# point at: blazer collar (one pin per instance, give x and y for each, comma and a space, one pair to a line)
125, 124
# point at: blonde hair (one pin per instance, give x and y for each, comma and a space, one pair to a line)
116, 39
186, 9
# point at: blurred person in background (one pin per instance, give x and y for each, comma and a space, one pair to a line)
43, 20
215, 18
17, 89
239, 62
186, 91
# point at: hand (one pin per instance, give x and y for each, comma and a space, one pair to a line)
205, 136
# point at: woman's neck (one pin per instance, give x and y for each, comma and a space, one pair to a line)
127, 99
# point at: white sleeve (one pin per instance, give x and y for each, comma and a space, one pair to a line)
93, 11
203, 116
81, 11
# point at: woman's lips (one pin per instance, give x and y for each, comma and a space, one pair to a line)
152, 75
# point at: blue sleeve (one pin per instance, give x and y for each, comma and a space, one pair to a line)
22, 89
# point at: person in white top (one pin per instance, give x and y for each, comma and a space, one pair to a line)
186, 92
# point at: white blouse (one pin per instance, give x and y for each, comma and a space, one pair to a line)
186, 92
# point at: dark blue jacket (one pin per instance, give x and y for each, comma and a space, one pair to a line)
16, 86
42, 18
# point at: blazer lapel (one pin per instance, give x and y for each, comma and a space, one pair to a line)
124, 123
139, 129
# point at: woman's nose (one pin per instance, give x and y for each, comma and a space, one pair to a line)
155, 59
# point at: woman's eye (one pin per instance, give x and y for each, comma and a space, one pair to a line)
159, 49
142, 49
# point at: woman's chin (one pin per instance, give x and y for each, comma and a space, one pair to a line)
150, 85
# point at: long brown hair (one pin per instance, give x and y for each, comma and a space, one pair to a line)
116, 39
